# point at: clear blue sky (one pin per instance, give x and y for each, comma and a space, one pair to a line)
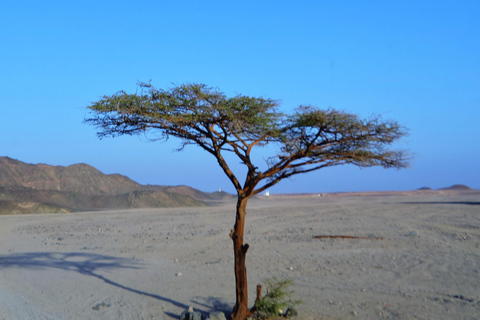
417, 62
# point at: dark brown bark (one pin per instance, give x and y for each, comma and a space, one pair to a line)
259, 293
240, 311
259, 296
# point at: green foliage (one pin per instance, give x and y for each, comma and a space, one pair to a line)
306, 140
276, 300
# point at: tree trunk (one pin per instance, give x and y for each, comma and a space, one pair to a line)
240, 311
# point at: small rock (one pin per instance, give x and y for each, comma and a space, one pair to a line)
189, 314
291, 313
178, 274
100, 306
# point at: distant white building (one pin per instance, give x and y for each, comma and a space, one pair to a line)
267, 193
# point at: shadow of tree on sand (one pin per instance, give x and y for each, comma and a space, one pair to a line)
84, 263
213, 304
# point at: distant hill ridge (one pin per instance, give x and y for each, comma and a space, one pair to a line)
30, 188
79, 178
454, 187
457, 187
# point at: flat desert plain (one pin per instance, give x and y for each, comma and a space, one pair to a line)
419, 258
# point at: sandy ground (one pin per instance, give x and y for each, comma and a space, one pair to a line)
152, 264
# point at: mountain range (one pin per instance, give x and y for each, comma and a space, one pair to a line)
42, 188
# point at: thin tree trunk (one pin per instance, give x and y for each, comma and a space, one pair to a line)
240, 311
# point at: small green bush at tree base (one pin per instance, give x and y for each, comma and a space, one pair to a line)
277, 300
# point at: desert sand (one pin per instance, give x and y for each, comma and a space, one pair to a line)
421, 258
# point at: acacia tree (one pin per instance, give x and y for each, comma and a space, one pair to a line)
306, 140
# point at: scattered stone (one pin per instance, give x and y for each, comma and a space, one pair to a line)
189, 314
291, 313
461, 297
178, 274
101, 306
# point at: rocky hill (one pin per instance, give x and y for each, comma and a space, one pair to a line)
29, 188
457, 187
78, 178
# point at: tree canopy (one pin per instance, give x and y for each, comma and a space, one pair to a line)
307, 139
